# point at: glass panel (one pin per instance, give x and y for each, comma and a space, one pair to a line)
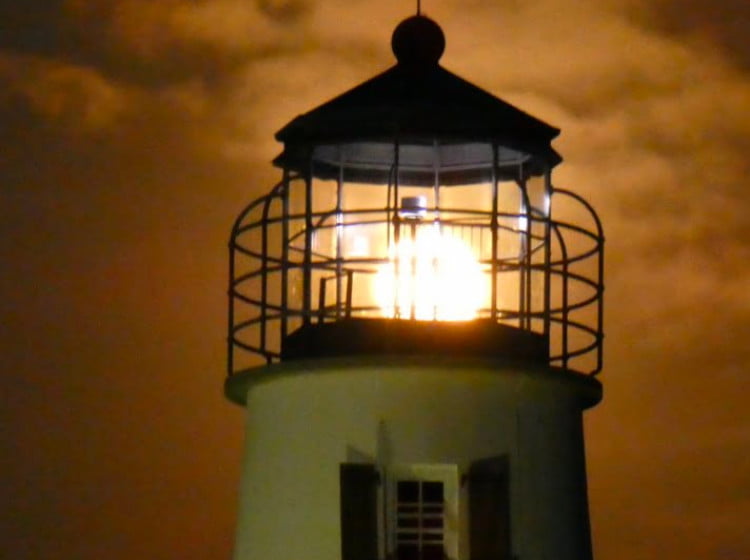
433, 508
432, 522
536, 187
434, 537
467, 197
432, 552
407, 552
408, 491
432, 492
409, 522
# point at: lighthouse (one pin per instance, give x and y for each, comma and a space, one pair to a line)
415, 329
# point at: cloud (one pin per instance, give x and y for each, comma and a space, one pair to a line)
706, 24
135, 130
195, 35
72, 96
155, 43
228, 25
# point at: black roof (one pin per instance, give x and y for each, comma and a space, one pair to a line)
418, 101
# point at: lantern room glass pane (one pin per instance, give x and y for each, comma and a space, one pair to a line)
439, 240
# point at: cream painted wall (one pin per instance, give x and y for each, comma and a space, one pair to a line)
304, 419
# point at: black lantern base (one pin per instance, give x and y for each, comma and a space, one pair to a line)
481, 338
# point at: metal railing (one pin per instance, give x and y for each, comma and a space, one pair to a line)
289, 269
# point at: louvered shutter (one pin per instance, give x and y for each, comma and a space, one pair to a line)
359, 520
489, 509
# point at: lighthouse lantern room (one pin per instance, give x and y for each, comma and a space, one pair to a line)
427, 308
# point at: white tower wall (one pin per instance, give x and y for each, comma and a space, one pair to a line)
304, 419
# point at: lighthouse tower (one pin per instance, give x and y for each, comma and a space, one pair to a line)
427, 305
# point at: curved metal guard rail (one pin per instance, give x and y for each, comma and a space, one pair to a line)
269, 265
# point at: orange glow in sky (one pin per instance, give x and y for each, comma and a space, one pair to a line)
133, 133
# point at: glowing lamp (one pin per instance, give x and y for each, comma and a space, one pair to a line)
413, 207
428, 305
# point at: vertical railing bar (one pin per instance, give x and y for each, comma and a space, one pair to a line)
284, 256
264, 275
436, 178
564, 295
527, 254
321, 300
520, 182
494, 225
349, 292
339, 232
307, 267
413, 267
436, 196
396, 228
389, 192
547, 253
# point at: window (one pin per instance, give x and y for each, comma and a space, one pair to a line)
422, 512
410, 512
420, 520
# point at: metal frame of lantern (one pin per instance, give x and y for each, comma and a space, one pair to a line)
281, 282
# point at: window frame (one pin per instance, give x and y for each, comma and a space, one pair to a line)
449, 476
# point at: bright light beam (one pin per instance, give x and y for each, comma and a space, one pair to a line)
434, 276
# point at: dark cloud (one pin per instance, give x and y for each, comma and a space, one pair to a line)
711, 25
285, 10
154, 44
36, 27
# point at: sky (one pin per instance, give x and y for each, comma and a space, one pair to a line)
133, 132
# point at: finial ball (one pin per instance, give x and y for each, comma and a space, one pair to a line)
418, 41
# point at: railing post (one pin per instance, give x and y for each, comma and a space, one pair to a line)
284, 254
307, 259
494, 228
